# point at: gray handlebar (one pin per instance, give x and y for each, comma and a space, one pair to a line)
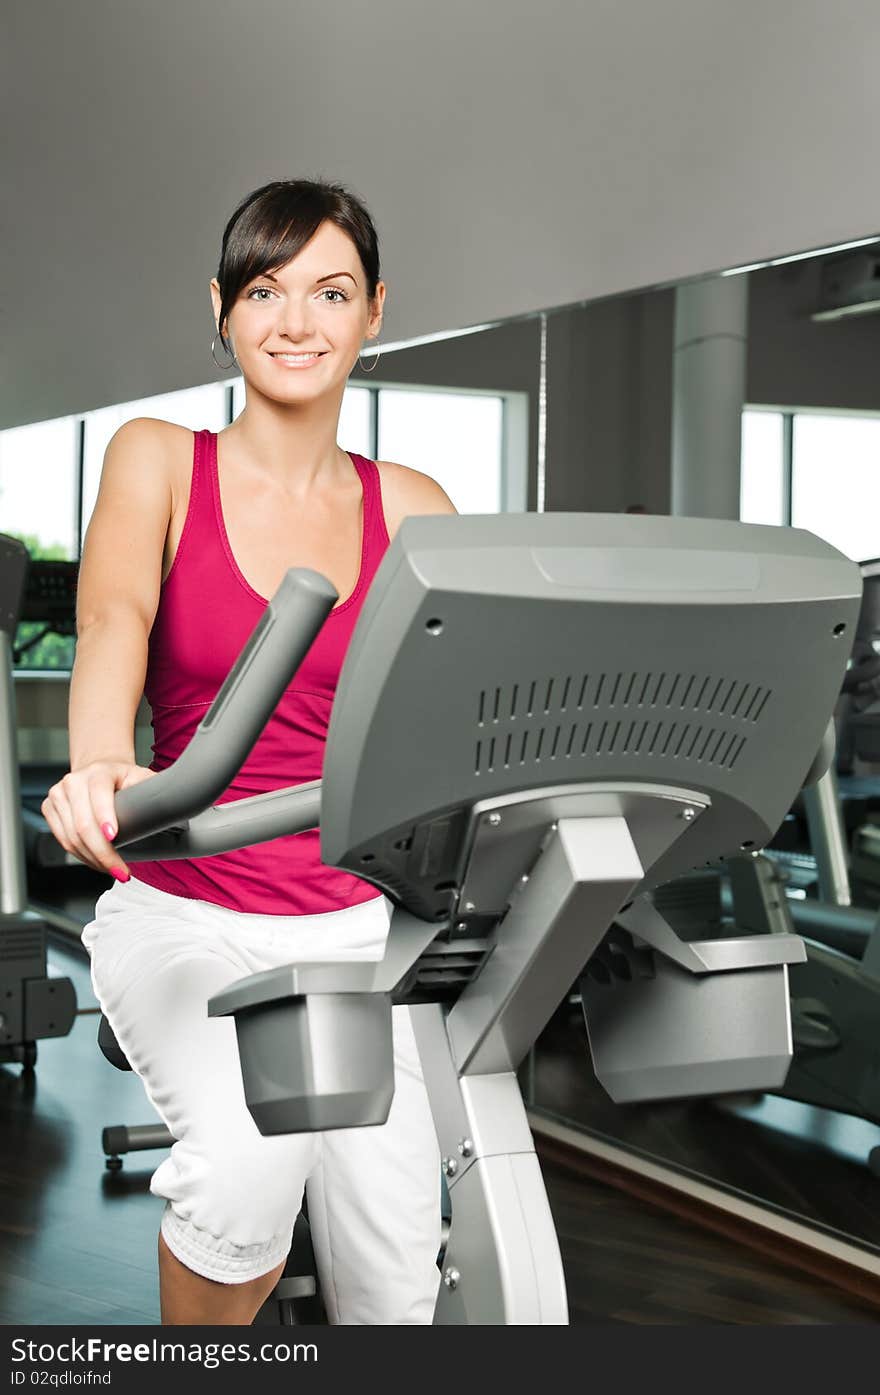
241, 823
232, 724
823, 757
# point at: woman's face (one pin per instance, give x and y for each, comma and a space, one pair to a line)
315, 305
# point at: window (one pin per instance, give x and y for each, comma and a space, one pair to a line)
814, 470
762, 493
456, 438
39, 503
38, 486
199, 408
835, 486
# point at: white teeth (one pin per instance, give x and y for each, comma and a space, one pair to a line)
296, 358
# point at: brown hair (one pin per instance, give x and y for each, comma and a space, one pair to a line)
273, 223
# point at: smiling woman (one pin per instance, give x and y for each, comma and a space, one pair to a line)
191, 532
262, 238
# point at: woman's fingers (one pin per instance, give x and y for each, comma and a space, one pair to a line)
86, 798
58, 814
75, 808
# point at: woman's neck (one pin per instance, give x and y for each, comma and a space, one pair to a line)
295, 445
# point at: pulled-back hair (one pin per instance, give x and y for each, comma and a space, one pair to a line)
273, 223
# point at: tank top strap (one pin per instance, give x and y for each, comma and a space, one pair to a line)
200, 526
375, 539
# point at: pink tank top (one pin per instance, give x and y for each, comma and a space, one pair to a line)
206, 612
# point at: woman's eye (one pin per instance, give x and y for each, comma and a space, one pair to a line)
262, 293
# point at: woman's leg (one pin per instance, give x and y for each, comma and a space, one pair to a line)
374, 1206
232, 1194
186, 1299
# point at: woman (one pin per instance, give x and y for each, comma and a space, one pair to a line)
190, 535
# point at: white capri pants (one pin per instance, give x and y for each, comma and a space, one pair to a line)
232, 1195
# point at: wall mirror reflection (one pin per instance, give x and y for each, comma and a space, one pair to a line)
753, 396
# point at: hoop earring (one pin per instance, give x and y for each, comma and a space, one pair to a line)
222, 366
375, 361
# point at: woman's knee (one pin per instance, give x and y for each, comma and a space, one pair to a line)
247, 1190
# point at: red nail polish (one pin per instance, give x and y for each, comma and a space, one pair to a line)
108, 831
120, 876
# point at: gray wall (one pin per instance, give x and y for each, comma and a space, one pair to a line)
609, 405
516, 157
794, 362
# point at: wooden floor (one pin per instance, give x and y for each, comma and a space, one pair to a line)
77, 1247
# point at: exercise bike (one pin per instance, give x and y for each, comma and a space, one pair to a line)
497, 767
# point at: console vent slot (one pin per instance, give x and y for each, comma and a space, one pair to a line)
684, 716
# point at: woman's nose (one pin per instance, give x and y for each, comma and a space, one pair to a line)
294, 319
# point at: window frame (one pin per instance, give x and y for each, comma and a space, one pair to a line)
788, 414
514, 462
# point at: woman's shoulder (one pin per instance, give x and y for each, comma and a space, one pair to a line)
152, 431
149, 443
408, 491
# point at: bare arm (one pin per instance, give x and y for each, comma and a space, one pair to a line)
118, 595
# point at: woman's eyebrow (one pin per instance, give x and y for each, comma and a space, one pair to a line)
333, 276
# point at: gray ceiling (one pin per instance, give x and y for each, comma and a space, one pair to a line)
515, 157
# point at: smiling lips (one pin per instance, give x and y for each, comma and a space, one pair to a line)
297, 360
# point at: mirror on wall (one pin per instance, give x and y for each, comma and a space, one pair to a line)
808, 455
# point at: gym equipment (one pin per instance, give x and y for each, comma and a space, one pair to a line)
835, 992
49, 600
858, 713
858, 728
497, 767
840, 812
33, 1006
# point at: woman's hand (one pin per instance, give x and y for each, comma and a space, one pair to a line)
80, 810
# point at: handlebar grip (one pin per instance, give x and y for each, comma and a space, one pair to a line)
242, 707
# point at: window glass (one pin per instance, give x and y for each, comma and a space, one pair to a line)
198, 408
354, 422
835, 487
453, 437
38, 486
762, 467
38, 476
